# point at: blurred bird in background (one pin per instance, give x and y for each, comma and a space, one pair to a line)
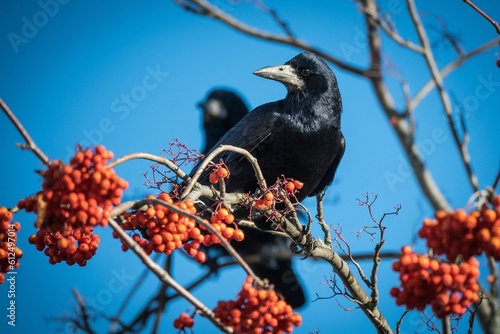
268, 255
222, 109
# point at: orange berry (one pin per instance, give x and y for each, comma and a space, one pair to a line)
200, 257
63, 243
440, 214
424, 261
222, 173
230, 218
471, 221
238, 235
298, 184
213, 178
489, 216
157, 239
222, 213
290, 187
268, 196
483, 235
406, 250
496, 201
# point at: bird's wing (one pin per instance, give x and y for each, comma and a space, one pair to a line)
247, 134
330, 173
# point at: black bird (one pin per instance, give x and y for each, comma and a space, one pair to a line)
222, 109
298, 137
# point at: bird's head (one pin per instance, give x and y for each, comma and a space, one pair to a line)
222, 109
310, 83
305, 73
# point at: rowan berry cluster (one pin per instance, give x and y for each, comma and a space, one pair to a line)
466, 234
183, 321
166, 230
448, 288
9, 253
218, 174
275, 194
257, 311
74, 199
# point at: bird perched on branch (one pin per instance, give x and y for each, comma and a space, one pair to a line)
298, 137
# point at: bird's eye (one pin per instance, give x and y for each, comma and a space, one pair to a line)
305, 72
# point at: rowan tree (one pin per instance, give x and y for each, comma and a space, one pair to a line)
448, 277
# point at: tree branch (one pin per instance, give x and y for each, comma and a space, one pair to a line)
483, 14
207, 9
404, 133
151, 157
449, 68
327, 239
208, 159
30, 143
443, 94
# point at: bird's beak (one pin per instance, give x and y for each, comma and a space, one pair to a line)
285, 74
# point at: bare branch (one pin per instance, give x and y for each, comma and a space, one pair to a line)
494, 185
444, 97
30, 143
400, 321
151, 157
135, 288
424, 177
427, 88
84, 316
446, 325
208, 159
277, 19
207, 9
327, 239
483, 14
387, 26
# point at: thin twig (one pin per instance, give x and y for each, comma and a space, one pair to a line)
151, 157
483, 14
494, 185
128, 298
449, 68
30, 143
210, 10
383, 22
84, 316
327, 239
400, 321
444, 97
208, 159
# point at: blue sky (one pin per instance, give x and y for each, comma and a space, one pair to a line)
129, 76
